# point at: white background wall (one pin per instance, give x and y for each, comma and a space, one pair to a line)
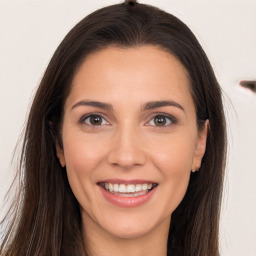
31, 30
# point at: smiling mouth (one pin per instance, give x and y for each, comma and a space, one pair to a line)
128, 190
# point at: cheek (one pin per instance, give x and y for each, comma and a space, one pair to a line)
82, 155
174, 161
82, 159
174, 155
175, 165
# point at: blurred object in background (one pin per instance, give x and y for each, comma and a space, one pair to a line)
251, 85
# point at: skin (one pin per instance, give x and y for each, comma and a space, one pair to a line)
130, 144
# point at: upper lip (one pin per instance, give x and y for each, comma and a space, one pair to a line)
130, 181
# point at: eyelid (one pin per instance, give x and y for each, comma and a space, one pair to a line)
84, 117
153, 115
169, 116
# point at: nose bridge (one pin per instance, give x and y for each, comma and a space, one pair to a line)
127, 149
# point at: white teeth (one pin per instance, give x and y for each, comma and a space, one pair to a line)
133, 194
129, 188
122, 188
116, 187
111, 187
144, 187
138, 187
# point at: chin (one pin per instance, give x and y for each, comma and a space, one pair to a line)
129, 232
132, 225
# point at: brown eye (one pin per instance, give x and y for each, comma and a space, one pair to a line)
95, 120
160, 120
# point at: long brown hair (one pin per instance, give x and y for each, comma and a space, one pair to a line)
46, 218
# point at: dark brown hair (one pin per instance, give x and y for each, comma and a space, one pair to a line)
46, 217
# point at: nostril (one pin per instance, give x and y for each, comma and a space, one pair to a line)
127, 149
126, 157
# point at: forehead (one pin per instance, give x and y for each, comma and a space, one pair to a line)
138, 73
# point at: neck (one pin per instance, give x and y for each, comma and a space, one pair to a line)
99, 242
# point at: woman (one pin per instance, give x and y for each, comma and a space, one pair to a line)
124, 149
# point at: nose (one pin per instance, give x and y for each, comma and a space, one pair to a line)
127, 149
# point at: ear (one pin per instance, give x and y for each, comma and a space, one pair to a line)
60, 154
200, 147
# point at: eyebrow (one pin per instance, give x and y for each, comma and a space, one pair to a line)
146, 106
161, 103
97, 104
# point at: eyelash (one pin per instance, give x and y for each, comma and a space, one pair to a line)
84, 118
172, 119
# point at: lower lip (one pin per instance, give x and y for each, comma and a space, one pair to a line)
127, 202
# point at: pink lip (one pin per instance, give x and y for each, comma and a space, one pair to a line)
120, 181
127, 202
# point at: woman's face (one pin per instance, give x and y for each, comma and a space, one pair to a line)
130, 140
